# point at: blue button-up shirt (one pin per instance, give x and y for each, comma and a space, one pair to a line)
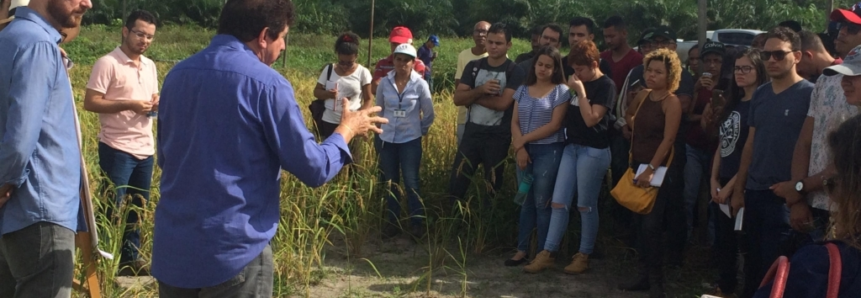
39, 153
416, 104
227, 125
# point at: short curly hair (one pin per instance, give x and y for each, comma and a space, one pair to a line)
671, 61
584, 53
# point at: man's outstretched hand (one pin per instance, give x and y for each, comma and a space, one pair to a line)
358, 123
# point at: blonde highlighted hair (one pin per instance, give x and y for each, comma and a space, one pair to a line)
671, 61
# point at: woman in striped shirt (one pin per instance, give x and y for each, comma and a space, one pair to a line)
536, 126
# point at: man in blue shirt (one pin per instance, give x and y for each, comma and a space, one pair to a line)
40, 174
427, 55
228, 124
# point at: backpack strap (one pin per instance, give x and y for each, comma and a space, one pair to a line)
835, 271
475, 69
329, 72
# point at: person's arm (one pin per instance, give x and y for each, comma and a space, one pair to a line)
466, 96
426, 106
592, 113
321, 92
367, 99
95, 102
297, 149
714, 180
743, 167
799, 169
685, 102
32, 79
498, 103
707, 117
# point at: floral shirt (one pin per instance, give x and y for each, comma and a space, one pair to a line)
828, 108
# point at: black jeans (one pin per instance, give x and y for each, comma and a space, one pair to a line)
37, 261
726, 250
766, 223
667, 214
254, 281
487, 149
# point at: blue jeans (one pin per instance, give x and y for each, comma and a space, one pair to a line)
766, 223
698, 162
582, 169
396, 159
133, 177
535, 212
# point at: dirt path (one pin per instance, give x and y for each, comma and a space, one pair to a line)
401, 264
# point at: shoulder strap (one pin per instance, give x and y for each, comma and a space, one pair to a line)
834, 271
329, 72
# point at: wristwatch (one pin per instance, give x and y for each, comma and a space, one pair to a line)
651, 167
799, 186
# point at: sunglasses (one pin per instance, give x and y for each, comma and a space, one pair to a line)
778, 55
850, 28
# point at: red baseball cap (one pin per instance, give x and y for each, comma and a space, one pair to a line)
401, 34
852, 15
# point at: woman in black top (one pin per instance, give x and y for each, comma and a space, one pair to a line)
749, 72
585, 159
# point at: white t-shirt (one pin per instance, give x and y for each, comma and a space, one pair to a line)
348, 86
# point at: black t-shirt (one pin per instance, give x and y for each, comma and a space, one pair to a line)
733, 135
479, 118
603, 65
524, 57
599, 92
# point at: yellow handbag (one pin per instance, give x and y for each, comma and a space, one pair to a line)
637, 199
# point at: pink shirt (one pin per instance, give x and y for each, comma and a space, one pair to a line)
116, 76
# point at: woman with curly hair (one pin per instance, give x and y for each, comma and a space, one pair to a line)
655, 115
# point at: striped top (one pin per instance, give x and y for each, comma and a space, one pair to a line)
534, 113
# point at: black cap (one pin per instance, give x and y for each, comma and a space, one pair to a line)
647, 32
662, 31
713, 47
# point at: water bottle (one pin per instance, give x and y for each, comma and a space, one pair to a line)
523, 189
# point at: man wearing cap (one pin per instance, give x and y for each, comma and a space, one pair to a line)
41, 174
427, 55
698, 142
479, 36
777, 113
399, 35
123, 90
814, 56
804, 192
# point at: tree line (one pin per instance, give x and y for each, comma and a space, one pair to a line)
456, 17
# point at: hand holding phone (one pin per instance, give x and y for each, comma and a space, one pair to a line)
718, 101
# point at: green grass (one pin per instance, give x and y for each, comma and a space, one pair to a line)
341, 217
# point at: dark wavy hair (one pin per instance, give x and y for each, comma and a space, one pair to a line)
844, 189
558, 76
736, 93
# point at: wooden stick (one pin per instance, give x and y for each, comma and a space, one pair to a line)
371, 35
83, 242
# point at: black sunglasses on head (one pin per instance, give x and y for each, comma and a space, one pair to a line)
778, 55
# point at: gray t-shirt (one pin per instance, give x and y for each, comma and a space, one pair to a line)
510, 76
778, 119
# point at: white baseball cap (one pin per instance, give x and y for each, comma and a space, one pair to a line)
13, 5
406, 49
851, 65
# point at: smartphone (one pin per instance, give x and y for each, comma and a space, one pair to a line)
718, 101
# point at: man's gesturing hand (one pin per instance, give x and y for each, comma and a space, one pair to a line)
358, 122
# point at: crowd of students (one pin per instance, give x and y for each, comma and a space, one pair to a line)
569, 118
771, 131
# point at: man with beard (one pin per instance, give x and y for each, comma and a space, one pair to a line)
123, 90
41, 172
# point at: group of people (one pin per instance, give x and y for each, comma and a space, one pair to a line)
771, 130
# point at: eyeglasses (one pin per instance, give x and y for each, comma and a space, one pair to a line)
743, 69
850, 28
142, 35
778, 55
479, 32
346, 63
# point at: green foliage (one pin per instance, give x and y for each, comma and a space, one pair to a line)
456, 17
